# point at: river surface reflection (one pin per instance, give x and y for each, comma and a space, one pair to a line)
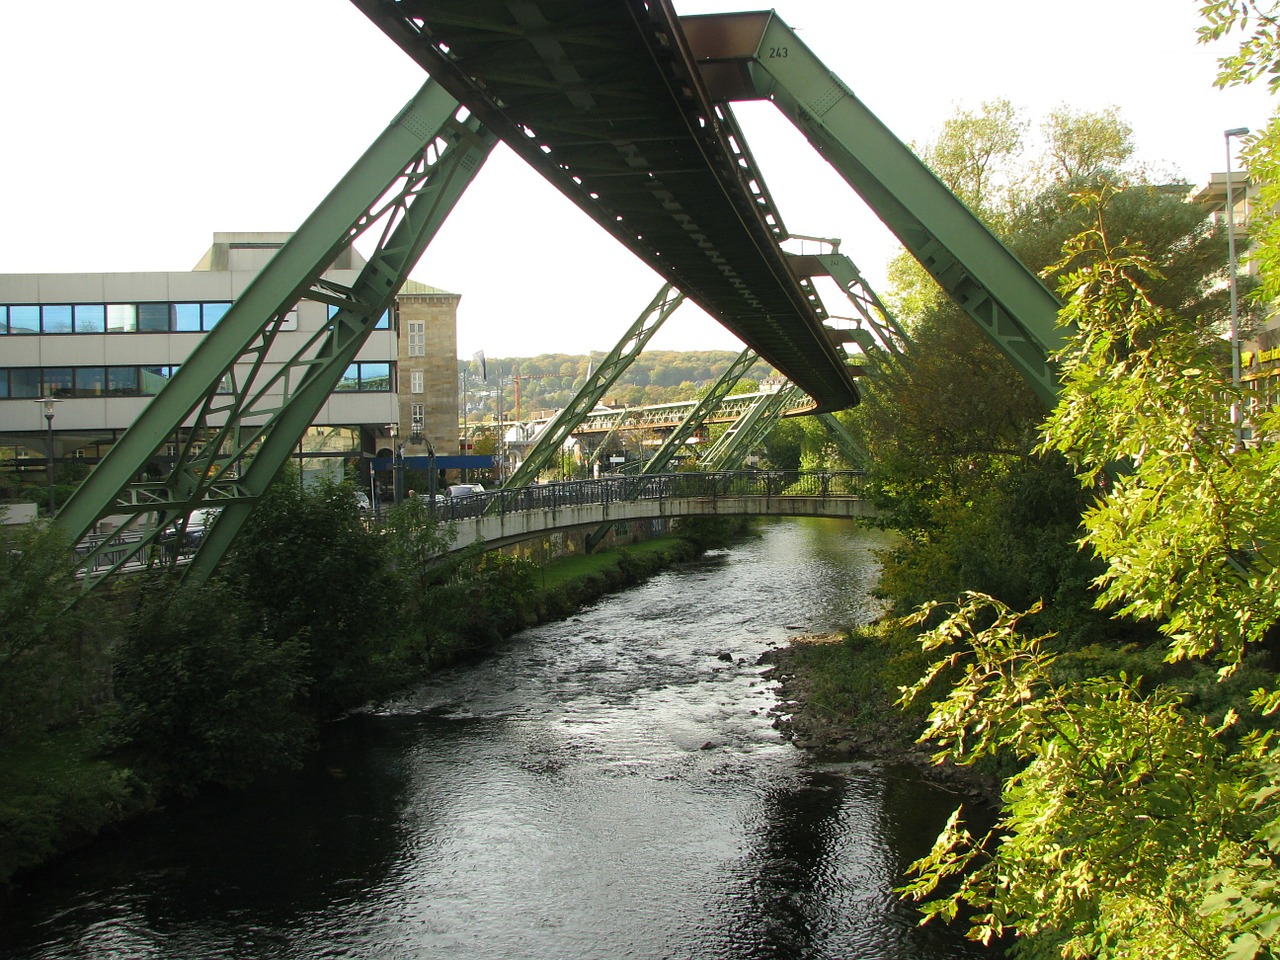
607, 787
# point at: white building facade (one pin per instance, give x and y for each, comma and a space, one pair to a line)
104, 344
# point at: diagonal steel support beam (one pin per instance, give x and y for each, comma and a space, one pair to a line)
849, 447
755, 56
694, 419
244, 406
710, 401
750, 428
547, 447
871, 309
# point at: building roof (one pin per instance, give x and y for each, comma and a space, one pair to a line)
1213, 195
414, 288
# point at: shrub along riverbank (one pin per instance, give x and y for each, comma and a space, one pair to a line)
163, 690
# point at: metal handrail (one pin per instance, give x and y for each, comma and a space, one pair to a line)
618, 489
614, 488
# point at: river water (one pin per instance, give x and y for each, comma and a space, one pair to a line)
604, 788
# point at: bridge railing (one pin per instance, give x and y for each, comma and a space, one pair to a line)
692, 485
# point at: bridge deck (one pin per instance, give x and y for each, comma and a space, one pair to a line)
604, 99
508, 516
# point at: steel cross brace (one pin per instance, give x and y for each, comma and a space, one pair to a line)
750, 428
849, 447
406, 183
707, 405
871, 309
675, 440
755, 56
547, 447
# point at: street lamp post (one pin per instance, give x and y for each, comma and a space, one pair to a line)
432, 479
1237, 424
47, 404
397, 463
464, 445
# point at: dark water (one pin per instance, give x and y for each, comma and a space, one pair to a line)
606, 788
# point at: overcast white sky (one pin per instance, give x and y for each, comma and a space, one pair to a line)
133, 130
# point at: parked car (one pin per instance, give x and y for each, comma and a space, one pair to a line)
459, 491
362, 502
198, 522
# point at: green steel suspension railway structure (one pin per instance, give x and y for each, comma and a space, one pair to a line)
625, 107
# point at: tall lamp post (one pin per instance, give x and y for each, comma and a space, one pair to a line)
397, 464
47, 403
432, 479
1237, 423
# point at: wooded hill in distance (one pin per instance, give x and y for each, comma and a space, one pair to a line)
549, 381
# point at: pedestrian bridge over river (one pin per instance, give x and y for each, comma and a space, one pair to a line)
504, 517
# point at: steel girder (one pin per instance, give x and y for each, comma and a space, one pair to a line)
675, 440
707, 405
404, 185
849, 447
603, 98
547, 447
750, 428
755, 56
668, 415
871, 309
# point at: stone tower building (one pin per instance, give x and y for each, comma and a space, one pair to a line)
428, 381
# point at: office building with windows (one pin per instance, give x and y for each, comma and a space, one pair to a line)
105, 344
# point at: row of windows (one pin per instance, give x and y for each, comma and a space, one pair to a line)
1264, 392
37, 318
367, 377
110, 317
384, 321
31, 383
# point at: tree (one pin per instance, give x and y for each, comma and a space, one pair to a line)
952, 429
203, 696
1132, 826
1083, 145
973, 152
782, 447
312, 573
1257, 57
52, 655
416, 541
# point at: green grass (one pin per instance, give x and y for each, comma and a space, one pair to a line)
577, 567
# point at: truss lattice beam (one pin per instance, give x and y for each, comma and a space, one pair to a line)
623, 127
750, 428
755, 56
707, 405
242, 406
549, 442
870, 308
849, 447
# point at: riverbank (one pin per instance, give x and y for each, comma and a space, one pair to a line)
62, 790
837, 697
604, 786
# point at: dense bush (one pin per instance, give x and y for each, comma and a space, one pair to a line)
203, 695
52, 656
310, 571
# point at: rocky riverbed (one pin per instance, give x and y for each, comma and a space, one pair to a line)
828, 737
